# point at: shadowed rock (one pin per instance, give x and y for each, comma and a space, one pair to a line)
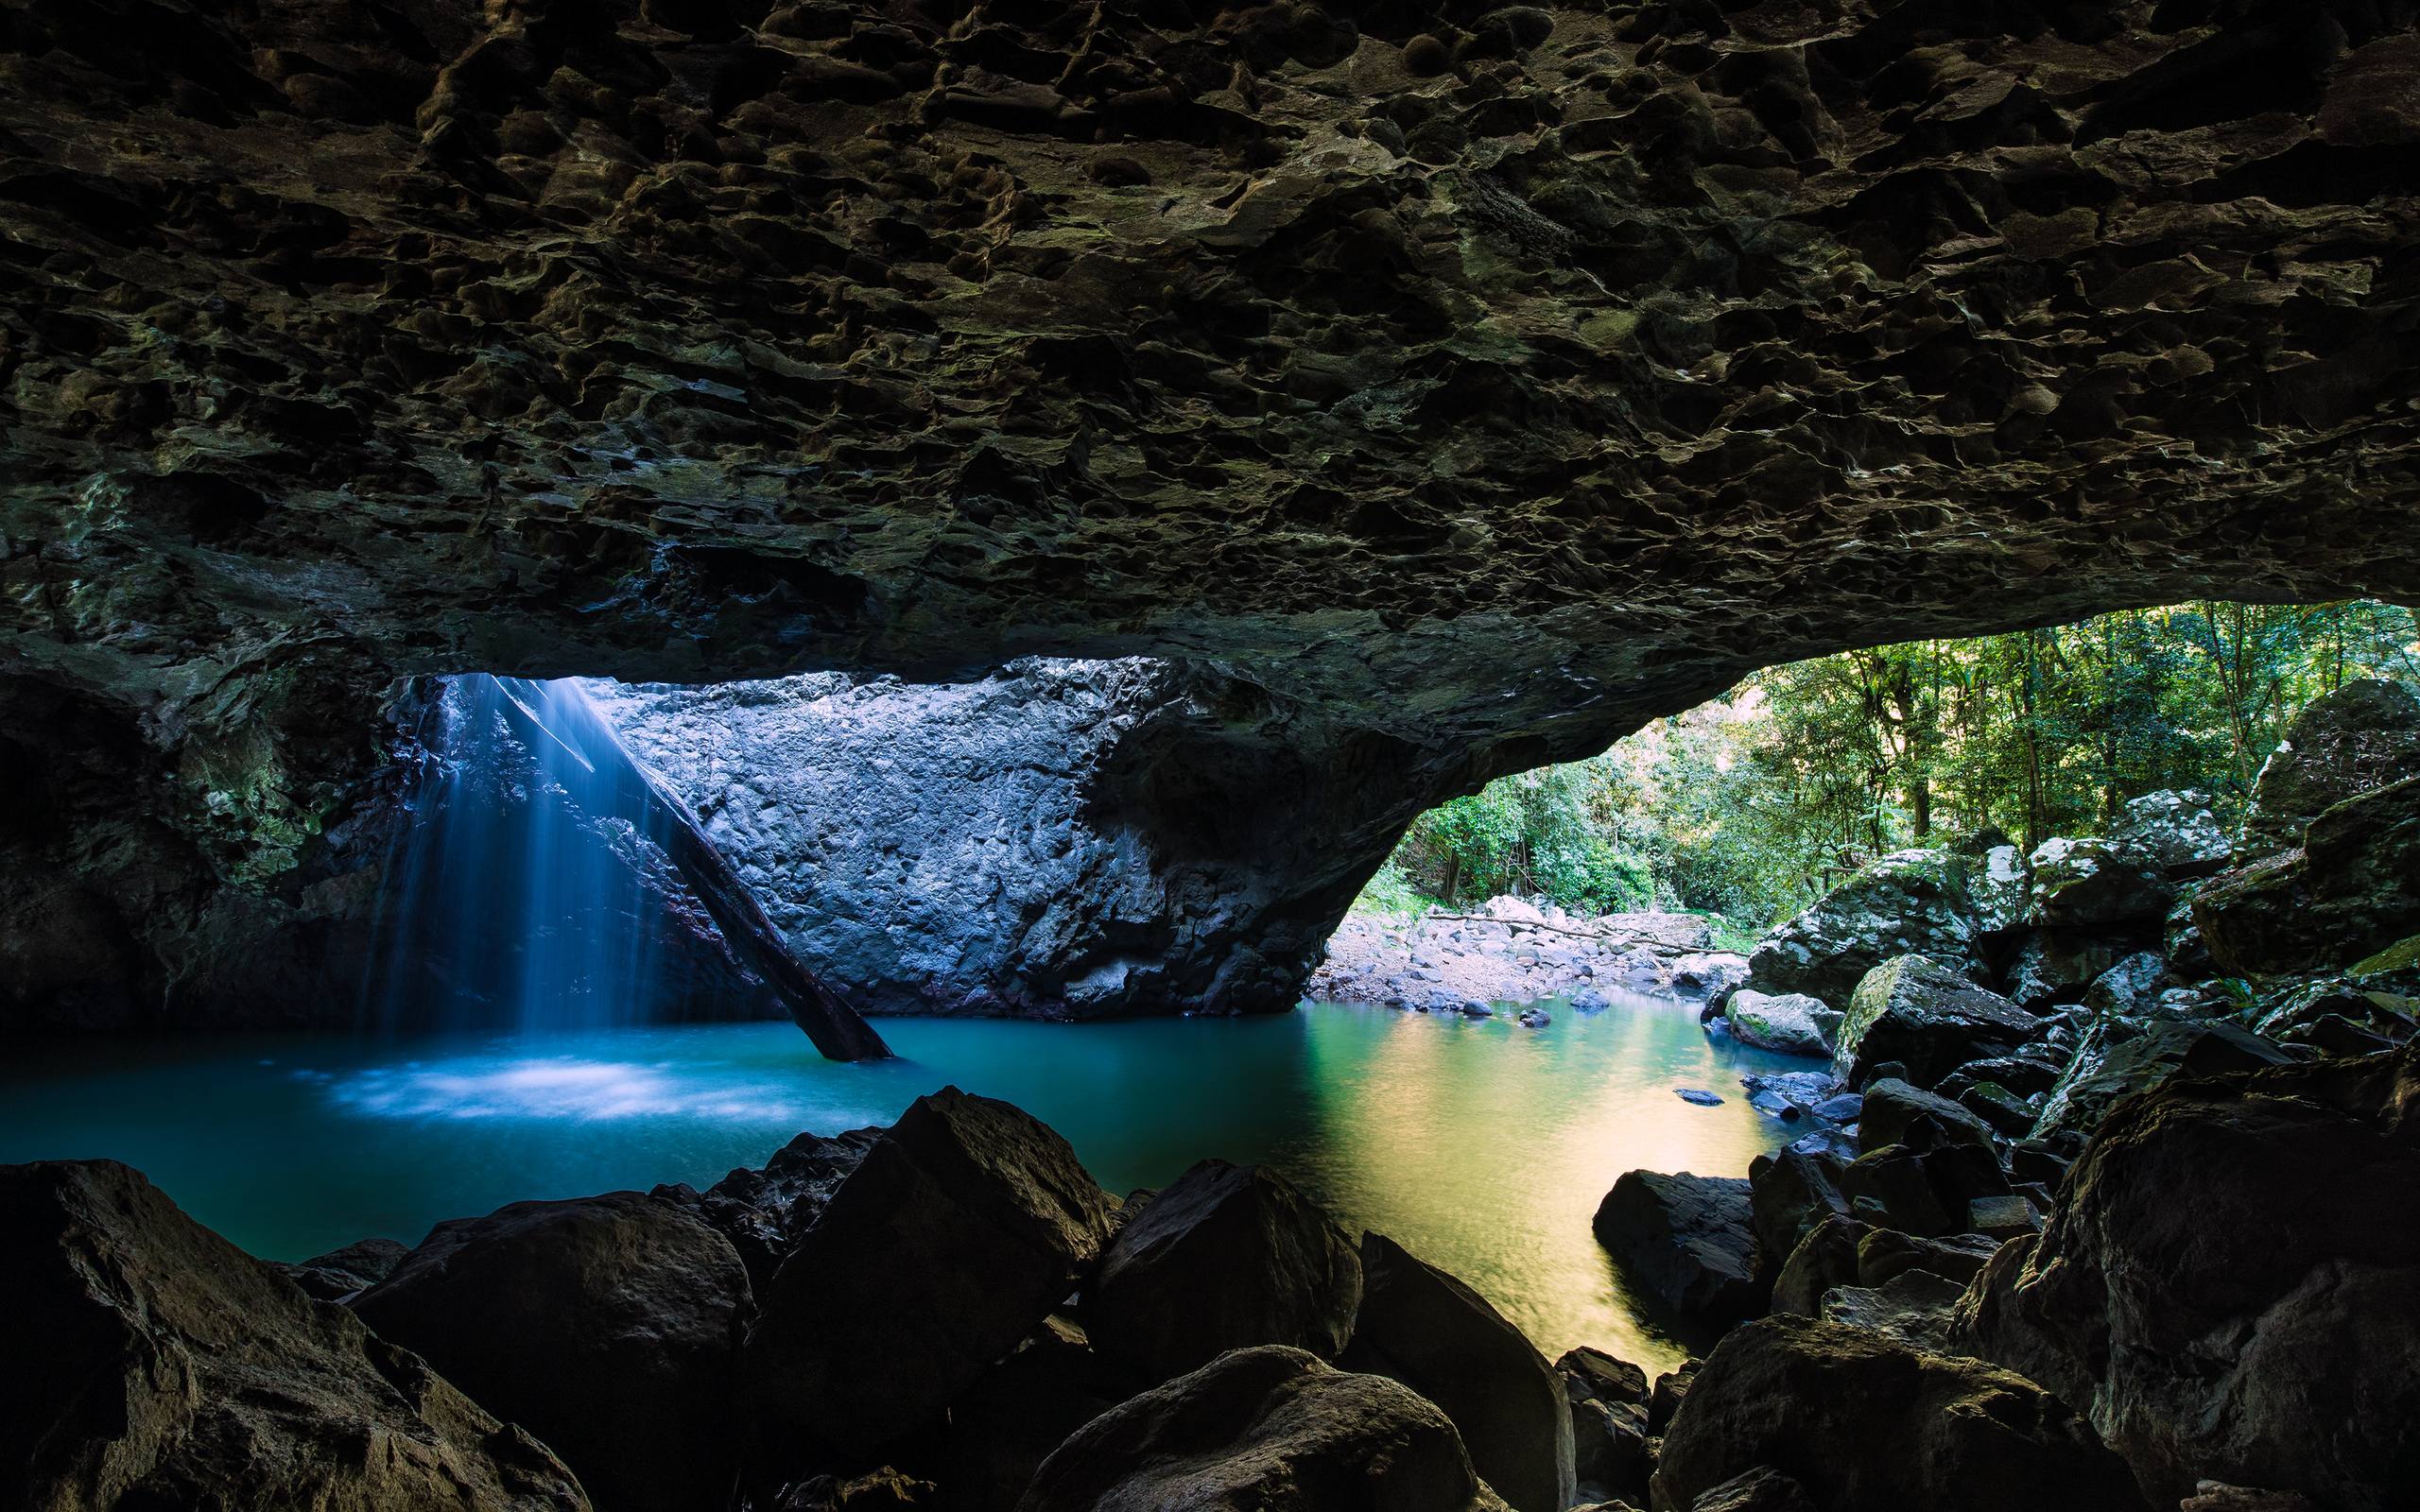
1434, 1333
153, 1364
1223, 1258
610, 1326
1688, 1240
1265, 1429
962, 1227
2229, 1268
1865, 1424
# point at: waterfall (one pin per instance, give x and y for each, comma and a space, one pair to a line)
545, 880
533, 890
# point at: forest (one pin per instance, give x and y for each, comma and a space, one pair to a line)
1749, 806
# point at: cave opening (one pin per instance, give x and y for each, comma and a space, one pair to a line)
798, 756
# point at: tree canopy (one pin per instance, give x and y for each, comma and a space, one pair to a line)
1752, 805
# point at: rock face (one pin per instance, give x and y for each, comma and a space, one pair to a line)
1449, 391
1435, 1334
1926, 1018
964, 847
2225, 1272
1224, 1257
1265, 1429
2096, 882
1910, 902
1688, 1240
1866, 1424
609, 1326
2351, 889
965, 1223
153, 1364
2363, 737
2116, 1058
2176, 832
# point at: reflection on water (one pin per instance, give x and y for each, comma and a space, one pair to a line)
1484, 1146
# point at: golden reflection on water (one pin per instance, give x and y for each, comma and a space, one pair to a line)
1491, 1164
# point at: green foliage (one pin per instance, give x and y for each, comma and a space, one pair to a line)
1554, 833
1390, 894
1749, 806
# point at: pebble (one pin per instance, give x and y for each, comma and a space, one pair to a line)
1698, 1095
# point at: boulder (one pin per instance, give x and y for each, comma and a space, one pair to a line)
1687, 1241
1897, 1113
1708, 973
2096, 882
1603, 1376
151, 1363
2057, 965
1826, 1258
1224, 1257
1912, 1307
1999, 889
2231, 1282
2351, 891
1793, 1023
1265, 1429
2116, 1058
1885, 1253
965, 1223
609, 1326
1923, 1191
1790, 1194
339, 1273
1611, 1452
1907, 902
1866, 1424
1926, 1018
2358, 738
1672, 1389
2130, 987
2175, 831
1436, 1336
1006, 1424
763, 1213
1761, 1489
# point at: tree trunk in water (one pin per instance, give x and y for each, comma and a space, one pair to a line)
836, 1029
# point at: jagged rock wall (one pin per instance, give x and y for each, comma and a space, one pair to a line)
957, 848
1456, 386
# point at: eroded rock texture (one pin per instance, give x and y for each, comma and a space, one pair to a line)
1454, 387
1035, 842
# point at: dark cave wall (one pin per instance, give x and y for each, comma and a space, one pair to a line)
1462, 404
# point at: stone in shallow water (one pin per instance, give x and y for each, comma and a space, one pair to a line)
1689, 1240
1698, 1095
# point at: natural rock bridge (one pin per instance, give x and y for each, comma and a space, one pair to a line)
1431, 389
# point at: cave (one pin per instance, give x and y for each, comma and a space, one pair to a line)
548, 541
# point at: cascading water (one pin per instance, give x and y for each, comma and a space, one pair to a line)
533, 888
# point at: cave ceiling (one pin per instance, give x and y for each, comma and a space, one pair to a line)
1485, 377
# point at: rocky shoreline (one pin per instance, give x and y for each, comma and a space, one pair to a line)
2094, 1233
1511, 952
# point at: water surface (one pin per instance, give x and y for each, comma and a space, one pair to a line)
1482, 1147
